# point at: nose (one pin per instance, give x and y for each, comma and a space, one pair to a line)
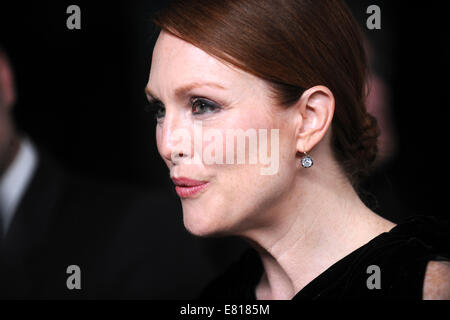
175, 140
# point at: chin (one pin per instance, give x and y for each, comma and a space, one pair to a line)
198, 227
203, 224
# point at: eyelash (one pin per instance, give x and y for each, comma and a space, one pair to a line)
157, 106
209, 104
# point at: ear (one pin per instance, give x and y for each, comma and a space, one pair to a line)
316, 111
7, 90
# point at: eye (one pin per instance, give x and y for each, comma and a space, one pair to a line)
202, 105
158, 109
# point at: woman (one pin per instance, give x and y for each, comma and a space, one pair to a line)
292, 71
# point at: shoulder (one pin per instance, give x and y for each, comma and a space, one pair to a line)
407, 260
437, 281
418, 237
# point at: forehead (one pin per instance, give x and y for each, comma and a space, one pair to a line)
176, 62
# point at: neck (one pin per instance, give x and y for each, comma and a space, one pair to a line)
308, 234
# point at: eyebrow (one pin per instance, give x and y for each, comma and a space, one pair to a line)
181, 91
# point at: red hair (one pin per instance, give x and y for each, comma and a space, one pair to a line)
293, 45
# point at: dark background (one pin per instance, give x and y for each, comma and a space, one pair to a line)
81, 93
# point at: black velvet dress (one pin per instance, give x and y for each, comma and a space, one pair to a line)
401, 255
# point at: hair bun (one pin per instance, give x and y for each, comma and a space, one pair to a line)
367, 145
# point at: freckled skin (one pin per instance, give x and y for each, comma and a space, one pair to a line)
437, 281
301, 221
231, 204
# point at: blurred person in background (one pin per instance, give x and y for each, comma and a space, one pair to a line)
52, 220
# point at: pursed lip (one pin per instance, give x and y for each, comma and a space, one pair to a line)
186, 182
187, 188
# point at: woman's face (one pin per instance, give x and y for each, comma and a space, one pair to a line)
202, 102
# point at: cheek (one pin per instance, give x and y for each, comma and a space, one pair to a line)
158, 139
159, 145
242, 200
234, 129
241, 190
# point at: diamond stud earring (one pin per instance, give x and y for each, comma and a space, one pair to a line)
307, 161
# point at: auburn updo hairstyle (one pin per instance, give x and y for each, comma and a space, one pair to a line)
293, 45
